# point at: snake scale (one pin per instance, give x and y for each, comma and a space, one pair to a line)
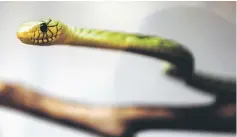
49, 32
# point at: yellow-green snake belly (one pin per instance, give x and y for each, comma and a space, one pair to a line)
50, 32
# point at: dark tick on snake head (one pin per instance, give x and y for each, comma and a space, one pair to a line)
43, 27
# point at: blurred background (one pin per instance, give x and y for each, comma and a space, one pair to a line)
111, 77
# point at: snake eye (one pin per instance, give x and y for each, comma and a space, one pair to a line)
43, 27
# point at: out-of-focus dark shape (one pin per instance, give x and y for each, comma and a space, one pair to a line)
120, 121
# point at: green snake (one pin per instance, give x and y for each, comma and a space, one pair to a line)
49, 32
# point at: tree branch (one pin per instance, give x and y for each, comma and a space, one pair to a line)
114, 121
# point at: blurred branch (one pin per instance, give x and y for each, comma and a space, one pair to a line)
207, 83
114, 121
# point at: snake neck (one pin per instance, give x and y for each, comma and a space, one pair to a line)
75, 36
157, 47
71, 36
83, 37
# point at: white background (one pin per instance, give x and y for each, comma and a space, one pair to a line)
110, 77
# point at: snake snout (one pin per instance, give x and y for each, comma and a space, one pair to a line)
23, 37
24, 32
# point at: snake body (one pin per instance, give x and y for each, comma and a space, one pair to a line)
48, 32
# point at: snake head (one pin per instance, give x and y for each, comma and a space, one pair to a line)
42, 32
